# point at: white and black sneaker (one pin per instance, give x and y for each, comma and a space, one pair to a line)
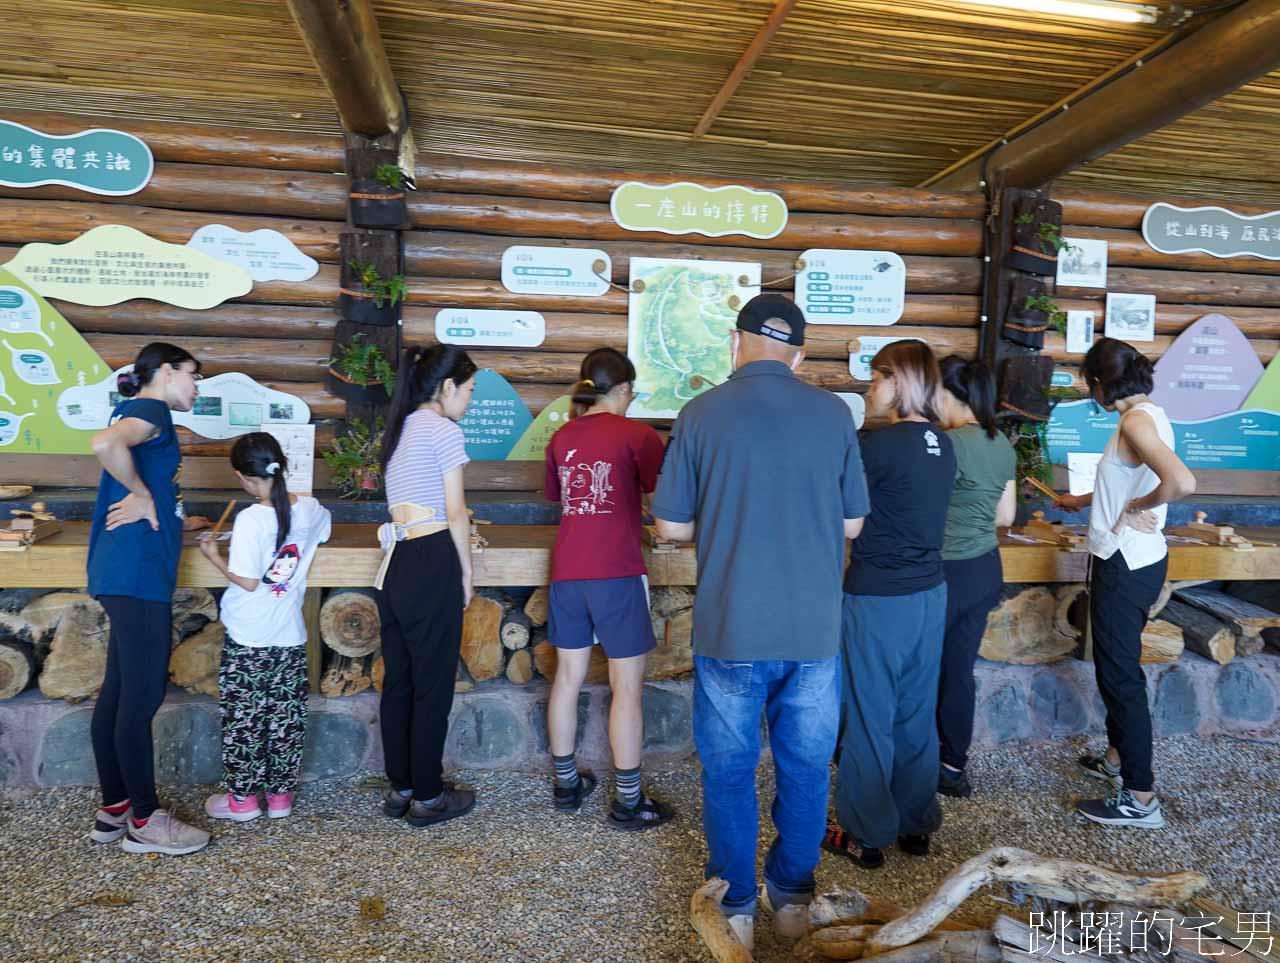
1099, 768
1122, 809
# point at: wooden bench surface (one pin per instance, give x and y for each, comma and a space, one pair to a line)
520, 555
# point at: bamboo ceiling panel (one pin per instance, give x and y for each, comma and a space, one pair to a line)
872, 91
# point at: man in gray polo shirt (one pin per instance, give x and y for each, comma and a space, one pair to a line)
764, 472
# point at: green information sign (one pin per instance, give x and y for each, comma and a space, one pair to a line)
99, 161
41, 356
686, 208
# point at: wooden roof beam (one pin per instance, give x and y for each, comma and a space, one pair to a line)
743, 67
343, 39
1228, 52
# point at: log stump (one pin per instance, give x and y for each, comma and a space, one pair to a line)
77, 658
195, 660
520, 667
544, 657
42, 616
481, 646
538, 607
1201, 632
345, 676
349, 622
516, 629
17, 667
1072, 611
1023, 630
191, 610
1161, 642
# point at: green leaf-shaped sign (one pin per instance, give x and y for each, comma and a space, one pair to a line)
686, 208
532, 445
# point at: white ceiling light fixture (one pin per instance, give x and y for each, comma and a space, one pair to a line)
1112, 10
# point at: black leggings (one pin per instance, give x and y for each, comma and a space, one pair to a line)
973, 590
421, 609
1119, 599
132, 690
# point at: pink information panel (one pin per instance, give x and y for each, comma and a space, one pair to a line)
1209, 370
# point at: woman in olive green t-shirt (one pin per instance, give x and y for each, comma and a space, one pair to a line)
983, 498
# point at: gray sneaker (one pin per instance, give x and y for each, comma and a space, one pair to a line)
1099, 768
164, 833
107, 828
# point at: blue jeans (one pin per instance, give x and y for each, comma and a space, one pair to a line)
887, 782
801, 701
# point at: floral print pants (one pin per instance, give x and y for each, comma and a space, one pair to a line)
263, 695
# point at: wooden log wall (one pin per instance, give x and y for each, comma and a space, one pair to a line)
468, 211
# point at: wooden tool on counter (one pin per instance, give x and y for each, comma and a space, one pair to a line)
1201, 530
28, 527
1055, 533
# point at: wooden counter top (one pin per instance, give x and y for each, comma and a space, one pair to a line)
520, 555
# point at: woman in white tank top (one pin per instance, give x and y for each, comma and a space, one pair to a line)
1138, 476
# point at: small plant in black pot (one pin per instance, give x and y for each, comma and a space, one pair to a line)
355, 459
361, 374
378, 201
1046, 310
1035, 232
369, 298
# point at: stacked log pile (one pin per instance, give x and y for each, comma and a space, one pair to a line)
1066, 900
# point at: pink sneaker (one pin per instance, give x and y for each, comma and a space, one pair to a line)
279, 805
223, 805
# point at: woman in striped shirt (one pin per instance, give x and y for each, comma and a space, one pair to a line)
426, 582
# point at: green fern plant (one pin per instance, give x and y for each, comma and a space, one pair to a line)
394, 289
1042, 302
364, 364
355, 458
389, 174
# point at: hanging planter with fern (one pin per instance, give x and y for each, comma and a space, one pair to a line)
1035, 232
360, 374
379, 201
368, 298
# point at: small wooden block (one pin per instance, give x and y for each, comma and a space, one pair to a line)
1223, 535
1055, 533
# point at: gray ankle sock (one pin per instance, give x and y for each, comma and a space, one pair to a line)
626, 786
566, 769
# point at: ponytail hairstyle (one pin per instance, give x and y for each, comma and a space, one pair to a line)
148, 362
917, 382
1113, 370
258, 455
602, 370
972, 384
422, 372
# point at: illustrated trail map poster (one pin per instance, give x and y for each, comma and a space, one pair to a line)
41, 357
679, 319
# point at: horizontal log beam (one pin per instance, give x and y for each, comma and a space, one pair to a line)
258, 358
1254, 323
484, 214
23, 221
1191, 287
453, 254
204, 143
235, 190
454, 174
1128, 249
1105, 209
229, 320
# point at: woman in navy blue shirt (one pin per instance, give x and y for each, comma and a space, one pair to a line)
134, 546
894, 614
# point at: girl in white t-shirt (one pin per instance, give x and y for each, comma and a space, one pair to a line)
262, 682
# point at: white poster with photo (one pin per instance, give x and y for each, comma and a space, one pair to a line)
1131, 317
1082, 263
1079, 331
298, 442
1082, 469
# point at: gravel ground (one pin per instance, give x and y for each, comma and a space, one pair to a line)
516, 881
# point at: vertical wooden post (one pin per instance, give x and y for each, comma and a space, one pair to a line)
315, 645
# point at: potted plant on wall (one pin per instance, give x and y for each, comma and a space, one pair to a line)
1035, 232
361, 374
355, 459
369, 298
378, 201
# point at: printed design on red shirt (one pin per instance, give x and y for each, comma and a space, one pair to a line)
282, 568
584, 489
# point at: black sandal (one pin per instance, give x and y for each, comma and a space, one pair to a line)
646, 814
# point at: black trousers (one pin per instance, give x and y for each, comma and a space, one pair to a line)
973, 590
1118, 603
421, 609
132, 690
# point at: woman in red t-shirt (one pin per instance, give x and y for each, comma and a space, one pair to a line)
599, 466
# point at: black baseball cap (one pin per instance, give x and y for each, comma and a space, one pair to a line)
763, 308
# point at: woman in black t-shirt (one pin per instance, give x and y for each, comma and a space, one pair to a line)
894, 615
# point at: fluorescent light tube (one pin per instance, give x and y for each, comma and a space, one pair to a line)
1111, 10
